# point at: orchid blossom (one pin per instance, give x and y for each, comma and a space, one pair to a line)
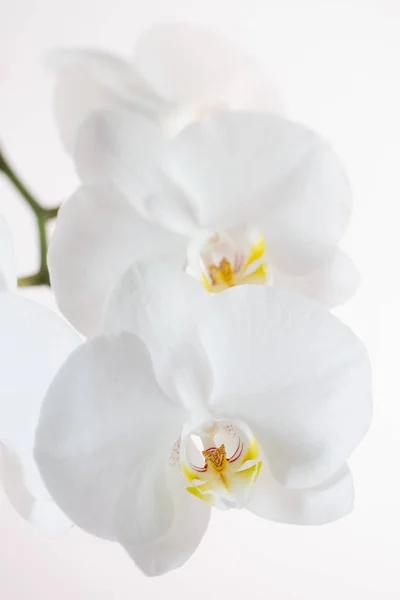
233, 198
177, 73
253, 398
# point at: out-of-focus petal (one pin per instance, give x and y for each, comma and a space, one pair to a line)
88, 80
332, 284
191, 66
16, 477
34, 342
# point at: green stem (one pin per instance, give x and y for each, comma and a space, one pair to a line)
30, 280
51, 213
42, 215
43, 270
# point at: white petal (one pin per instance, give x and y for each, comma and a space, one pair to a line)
7, 258
129, 150
33, 344
158, 302
103, 412
97, 236
324, 503
192, 66
294, 373
145, 510
162, 305
264, 171
332, 284
176, 522
16, 475
88, 80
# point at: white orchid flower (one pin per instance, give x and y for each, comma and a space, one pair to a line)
252, 398
178, 72
233, 198
34, 342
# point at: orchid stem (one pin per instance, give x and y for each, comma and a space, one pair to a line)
42, 215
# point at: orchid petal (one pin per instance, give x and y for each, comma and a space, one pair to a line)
262, 170
161, 304
128, 150
329, 501
97, 236
89, 80
104, 414
32, 503
194, 67
294, 373
33, 344
332, 284
158, 522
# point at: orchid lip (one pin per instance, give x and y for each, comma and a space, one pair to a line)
227, 258
220, 459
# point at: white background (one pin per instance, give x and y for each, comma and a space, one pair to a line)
336, 64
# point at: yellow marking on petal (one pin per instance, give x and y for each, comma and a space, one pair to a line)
190, 475
251, 452
257, 250
259, 465
197, 493
224, 481
206, 283
257, 276
249, 476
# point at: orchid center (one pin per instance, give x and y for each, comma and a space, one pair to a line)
221, 463
235, 256
183, 116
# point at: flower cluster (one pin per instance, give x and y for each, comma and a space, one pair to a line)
199, 258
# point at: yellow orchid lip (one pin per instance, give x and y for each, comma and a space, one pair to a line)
224, 478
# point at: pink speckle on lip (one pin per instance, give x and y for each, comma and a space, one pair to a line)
174, 457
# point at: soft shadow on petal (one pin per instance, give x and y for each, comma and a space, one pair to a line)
297, 375
332, 284
327, 502
97, 236
103, 411
157, 506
